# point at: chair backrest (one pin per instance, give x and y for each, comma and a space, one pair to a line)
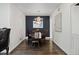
6, 34
4, 41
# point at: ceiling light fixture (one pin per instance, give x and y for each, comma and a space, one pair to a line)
38, 20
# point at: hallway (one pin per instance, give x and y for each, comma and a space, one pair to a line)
56, 21
24, 49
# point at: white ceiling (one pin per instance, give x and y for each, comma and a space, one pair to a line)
31, 9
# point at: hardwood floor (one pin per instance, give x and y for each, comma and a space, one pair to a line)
48, 49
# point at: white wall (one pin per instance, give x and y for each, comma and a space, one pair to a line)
17, 24
63, 39
75, 19
12, 17
4, 15
75, 29
51, 26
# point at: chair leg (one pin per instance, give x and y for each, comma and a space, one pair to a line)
7, 50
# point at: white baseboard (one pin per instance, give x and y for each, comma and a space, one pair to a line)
26, 38
15, 46
48, 38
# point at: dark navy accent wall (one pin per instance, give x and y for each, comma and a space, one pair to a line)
46, 24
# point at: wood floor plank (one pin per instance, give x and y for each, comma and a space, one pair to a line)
24, 49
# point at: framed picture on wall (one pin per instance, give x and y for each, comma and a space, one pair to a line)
38, 22
58, 22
